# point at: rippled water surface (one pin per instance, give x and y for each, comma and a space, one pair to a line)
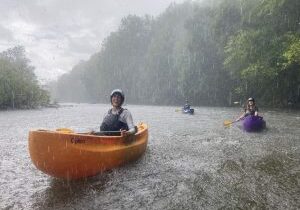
191, 162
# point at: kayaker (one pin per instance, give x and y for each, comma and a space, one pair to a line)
118, 118
187, 106
251, 109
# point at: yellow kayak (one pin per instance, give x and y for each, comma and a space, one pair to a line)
69, 155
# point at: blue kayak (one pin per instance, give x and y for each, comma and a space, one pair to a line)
253, 123
187, 111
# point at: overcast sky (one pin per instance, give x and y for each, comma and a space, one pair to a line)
57, 34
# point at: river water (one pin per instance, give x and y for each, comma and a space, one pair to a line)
191, 162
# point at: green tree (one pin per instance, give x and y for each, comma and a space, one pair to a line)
19, 87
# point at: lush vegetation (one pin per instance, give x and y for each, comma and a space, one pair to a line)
18, 84
212, 53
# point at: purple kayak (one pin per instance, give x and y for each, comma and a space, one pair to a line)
253, 123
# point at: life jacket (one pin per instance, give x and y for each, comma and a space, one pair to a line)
251, 111
111, 122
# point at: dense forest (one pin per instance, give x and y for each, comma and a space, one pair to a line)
19, 88
212, 53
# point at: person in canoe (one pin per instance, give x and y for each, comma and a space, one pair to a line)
117, 118
250, 109
187, 106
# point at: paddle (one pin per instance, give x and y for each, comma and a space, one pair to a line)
228, 122
112, 133
109, 133
65, 130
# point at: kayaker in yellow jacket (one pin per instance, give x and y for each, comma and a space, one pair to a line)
118, 118
250, 109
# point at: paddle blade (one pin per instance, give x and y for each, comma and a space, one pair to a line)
227, 123
65, 130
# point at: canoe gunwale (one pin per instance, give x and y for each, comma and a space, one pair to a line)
90, 138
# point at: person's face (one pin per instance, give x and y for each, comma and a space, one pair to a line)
250, 103
116, 100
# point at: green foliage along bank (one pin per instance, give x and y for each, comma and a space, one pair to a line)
211, 53
19, 87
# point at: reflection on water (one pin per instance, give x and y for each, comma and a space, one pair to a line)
192, 162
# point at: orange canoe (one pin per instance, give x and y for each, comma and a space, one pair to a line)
69, 155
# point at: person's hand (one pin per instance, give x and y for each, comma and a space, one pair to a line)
128, 136
124, 133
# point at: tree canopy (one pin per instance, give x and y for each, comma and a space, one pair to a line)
18, 84
209, 53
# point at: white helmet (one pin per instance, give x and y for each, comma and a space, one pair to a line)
118, 91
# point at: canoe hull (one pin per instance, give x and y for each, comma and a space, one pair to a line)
75, 156
253, 123
188, 111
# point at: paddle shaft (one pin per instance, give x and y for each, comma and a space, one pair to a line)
234, 121
106, 132
229, 123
